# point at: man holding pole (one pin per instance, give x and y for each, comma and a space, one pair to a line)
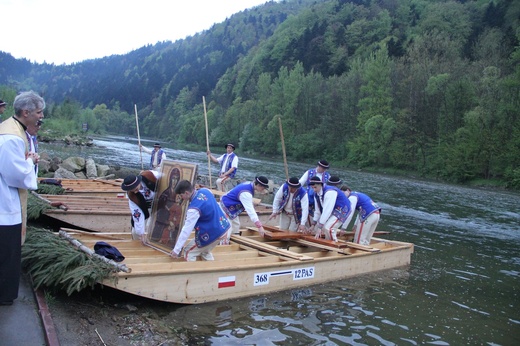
157, 155
228, 167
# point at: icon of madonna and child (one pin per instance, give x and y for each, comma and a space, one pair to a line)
168, 207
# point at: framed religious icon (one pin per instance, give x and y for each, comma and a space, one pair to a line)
168, 211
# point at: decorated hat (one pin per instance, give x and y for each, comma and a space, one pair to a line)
157, 145
315, 180
334, 180
131, 182
323, 163
2, 103
262, 181
230, 145
293, 182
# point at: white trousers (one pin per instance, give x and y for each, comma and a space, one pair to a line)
191, 251
329, 229
224, 184
288, 222
365, 230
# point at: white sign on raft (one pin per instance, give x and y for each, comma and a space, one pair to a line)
298, 274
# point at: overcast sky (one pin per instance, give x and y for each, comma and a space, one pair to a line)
67, 31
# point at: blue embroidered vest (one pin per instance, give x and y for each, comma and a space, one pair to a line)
342, 205
231, 202
229, 162
297, 201
212, 223
159, 158
365, 205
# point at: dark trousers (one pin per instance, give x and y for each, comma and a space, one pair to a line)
10, 261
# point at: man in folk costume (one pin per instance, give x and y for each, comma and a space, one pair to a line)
331, 209
139, 199
17, 175
321, 172
203, 215
367, 218
334, 181
292, 204
157, 155
240, 198
2, 109
149, 180
228, 167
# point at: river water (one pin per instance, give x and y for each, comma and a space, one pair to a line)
462, 287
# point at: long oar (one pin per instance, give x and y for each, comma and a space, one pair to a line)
138, 136
283, 148
207, 140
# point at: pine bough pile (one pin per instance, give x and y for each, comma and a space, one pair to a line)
55, 264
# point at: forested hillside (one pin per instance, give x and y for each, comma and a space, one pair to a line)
426, 86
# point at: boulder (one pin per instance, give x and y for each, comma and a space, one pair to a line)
91, 169
80, 175
62, 173
102, 170
55, 164
44, 165
73, 164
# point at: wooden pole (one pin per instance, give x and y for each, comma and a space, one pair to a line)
207, 141
77, 243
138, 136
283, 148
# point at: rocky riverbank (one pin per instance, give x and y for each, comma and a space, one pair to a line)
79, 168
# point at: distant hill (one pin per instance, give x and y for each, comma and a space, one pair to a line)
430, 86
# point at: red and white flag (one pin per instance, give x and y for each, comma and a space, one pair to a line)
226, 281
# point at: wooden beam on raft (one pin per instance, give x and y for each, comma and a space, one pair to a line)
269, 248
275, 233
331, 243
88, 251
321, 246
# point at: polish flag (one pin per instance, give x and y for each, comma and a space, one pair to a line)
226, 281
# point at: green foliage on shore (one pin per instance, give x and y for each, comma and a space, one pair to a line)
424, 86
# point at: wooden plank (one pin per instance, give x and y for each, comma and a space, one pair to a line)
362, 247
351, 234
322, 246
275, 233
331, 243
269, 248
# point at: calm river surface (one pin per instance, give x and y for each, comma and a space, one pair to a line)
462, 288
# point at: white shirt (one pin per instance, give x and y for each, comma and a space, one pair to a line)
246, 198
192, 216
137, 213
327, 203
15, 172
353, 201
156, 157
305, 176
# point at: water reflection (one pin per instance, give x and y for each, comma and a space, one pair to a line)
463, 286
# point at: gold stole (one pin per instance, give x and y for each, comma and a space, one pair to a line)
13, 127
